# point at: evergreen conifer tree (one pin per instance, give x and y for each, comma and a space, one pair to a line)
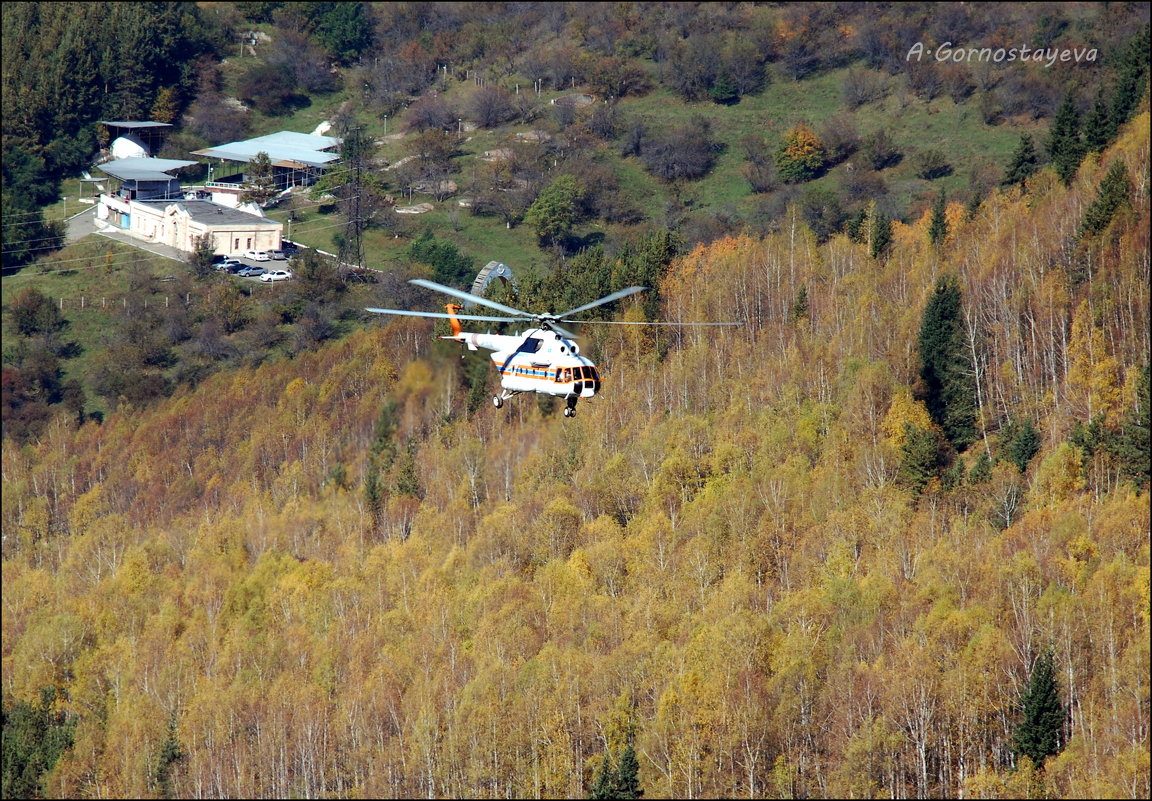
1114, 192
800, 307
407, 479
856, 226
919, 458
881, 234
1039, 733
628, 775
35, 736
1098, 129
1132, 447
938, 229
1130, 82
1021, 443
982, 470
1065, 143
171, 752
724, 90
948, 386
604, 782
973, 206
621, 780
1023, 165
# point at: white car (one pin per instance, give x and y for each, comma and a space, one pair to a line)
257, 255
276, 275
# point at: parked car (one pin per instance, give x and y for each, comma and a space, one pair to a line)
230, 265
257, 255
218, 258
276, 275
251, 272
288, 246
276, 255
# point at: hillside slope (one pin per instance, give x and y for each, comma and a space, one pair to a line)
724, 561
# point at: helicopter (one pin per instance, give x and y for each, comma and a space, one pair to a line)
544, 359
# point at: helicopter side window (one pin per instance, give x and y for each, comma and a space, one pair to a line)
530, 345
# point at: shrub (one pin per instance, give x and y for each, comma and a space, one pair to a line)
861, 86
880, 151
687, 152
801, 155
931, 164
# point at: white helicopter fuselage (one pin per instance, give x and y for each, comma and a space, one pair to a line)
537, 361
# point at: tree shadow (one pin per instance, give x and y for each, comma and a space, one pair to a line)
574, 244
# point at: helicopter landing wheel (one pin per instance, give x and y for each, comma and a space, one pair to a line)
569, 411
497, 401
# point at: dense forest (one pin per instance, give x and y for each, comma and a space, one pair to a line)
683, 124
771, 561
890, 537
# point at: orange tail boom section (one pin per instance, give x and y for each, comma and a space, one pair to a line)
454, 309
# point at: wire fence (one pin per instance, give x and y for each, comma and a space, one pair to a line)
122, 303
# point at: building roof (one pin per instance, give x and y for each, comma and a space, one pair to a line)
143, 169
285, 147
205, 211
129, 124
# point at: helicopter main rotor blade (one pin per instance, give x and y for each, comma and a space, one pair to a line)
561, 331
643, 322
623, 293
444, 316
457, 293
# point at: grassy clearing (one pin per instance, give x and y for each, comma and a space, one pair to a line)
94, 282
956, 131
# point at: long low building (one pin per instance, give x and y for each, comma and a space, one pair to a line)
150, 205
177, 223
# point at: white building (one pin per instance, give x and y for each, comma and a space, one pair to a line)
135, 139
150, 205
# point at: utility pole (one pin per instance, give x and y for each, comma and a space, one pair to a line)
354, 236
